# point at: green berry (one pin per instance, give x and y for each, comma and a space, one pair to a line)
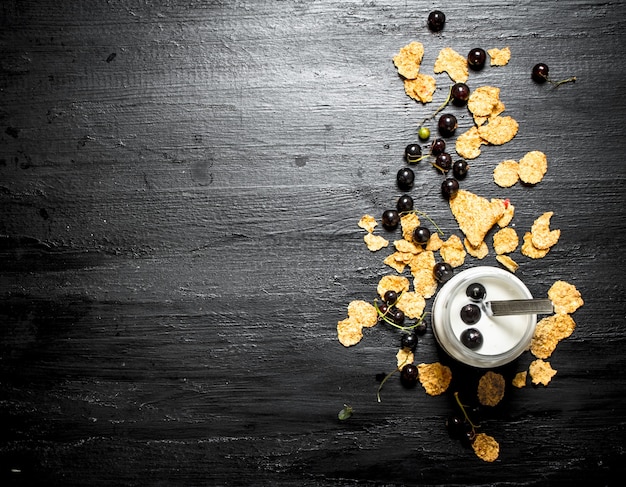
423, 133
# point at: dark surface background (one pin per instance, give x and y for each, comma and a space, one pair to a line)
180, 183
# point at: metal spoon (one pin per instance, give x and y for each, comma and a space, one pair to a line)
519, 307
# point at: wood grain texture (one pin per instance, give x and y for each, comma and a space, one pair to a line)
180, 183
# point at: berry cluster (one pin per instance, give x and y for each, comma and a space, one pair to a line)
460, 426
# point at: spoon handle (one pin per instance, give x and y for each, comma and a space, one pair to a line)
519, 307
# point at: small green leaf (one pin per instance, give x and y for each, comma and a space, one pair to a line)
345, 413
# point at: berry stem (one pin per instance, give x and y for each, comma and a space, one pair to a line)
421, 213
383, 317
382, 382
467, 418
444, 105
556, 84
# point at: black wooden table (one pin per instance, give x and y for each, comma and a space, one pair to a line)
180, 187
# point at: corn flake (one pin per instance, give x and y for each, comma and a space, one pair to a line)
529, 250
532, 167
509, 213
542, 237
541, 372
411, 304
424, 281
363, 313
435, 378
482, 100
408, 60
396, 262
549, 332
452, 63
499, 130
421, 88
486, 447
409, 223
565, 297
349, 332
507, 262
499, 57
398, 284
368, 222
375, 242
491, 388
453, 252
468, 144
407, 247
519, 380
404, 356
506, 174
434, 242
505, 240
480, 252
475, 214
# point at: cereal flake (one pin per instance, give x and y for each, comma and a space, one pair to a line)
452, 63
408, 60
435, 378
541, 372
542, 237
499, 57
506, 174
453, 252
486, 447
505, 240
499, 130
549, 332
421, 88
507, 262
533, 167
368, 222
398, 284
491, 388
375, 242
565, 297
475, 214
468, 144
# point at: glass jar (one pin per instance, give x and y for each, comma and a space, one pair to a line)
504, 337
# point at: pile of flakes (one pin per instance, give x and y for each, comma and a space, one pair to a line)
476, 217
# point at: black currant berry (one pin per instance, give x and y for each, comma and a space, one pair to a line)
455, 426
405, 178
412, 153
443, 162
420, 328
447, 125
443, 271
438, 146
476, 58
470, 314
460, 93
449, 187
436, 20
476, 291
405, 203
421, 235
390, 219
409, 375
390, 297
539, 73
472, 338
459, 168
397, 316
409, 340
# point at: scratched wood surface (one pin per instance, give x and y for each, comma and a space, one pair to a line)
180, 183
